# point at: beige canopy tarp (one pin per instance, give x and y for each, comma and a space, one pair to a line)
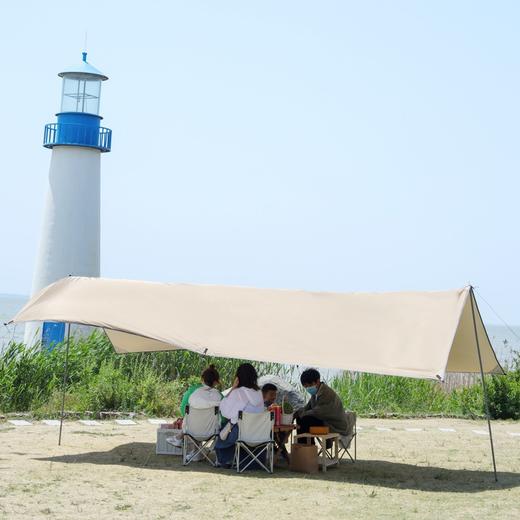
413, 334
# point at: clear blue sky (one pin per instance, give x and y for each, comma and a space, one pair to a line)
345, 146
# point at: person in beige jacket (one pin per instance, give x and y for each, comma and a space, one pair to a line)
324, 408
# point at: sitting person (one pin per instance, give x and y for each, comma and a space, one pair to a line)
204, 394
201, 395
285, 390
269, 392
324, 408
244, 396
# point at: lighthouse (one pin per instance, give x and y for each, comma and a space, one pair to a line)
70, 235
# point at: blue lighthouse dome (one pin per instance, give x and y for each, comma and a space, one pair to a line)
79, 120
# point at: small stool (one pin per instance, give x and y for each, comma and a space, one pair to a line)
326, 456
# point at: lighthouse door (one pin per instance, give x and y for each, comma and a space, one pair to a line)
52, 334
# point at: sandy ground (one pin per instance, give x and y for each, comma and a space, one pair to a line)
111, 471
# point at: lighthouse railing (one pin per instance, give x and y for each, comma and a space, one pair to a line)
67, 134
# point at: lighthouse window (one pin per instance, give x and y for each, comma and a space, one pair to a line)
80, 95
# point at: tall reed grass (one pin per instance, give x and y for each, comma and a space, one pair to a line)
371, 394
153, 383
101, 380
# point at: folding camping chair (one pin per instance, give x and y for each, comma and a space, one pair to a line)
200, 429
255, 437
345, 441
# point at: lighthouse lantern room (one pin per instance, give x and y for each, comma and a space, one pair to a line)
81, 88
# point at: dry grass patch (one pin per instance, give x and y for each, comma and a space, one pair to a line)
422, 474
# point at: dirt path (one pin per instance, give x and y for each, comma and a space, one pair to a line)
111, 471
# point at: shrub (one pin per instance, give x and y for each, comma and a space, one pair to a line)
467, 401
504, 395
75, 402
167, 399
110, 390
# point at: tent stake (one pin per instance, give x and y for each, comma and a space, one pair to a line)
65, 373
484, 387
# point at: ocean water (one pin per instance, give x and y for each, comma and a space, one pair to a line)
504, 340
9, 305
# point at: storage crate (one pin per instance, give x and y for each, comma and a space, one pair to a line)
164, 448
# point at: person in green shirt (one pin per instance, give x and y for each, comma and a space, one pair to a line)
186, 397
203, 394
199, 396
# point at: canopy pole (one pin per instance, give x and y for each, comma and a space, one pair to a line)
484, 387
65, 373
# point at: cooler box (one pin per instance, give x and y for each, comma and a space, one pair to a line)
164, 448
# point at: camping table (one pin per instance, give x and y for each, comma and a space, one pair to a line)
327, 456
280, 432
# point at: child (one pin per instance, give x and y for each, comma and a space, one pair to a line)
269, 393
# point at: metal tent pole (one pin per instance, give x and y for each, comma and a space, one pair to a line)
484, 387
65, 373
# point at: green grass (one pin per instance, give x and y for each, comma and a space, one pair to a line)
370, 394
101, 380
153, 383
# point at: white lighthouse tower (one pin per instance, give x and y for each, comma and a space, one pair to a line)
69, 243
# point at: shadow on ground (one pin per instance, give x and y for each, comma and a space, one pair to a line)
367, 472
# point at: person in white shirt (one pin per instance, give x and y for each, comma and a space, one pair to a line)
200, 396
206, 395
244, 396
